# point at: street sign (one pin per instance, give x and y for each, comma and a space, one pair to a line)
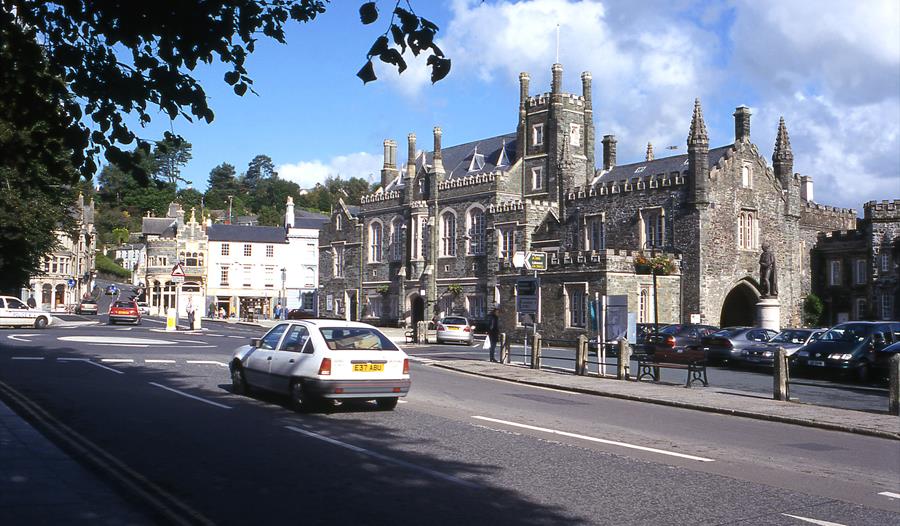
519, 259
71, 283
527, 295
536, 261
178, 279
178, 270
526, 304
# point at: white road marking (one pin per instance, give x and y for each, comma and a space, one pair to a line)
232, 336
27, 358
182, 393
216, 335
890, 495
100, 365
190, 341
357, 449
207, 362
594, 439
421, 360
117, 360
813, 521
124, 329
20, 337
73, 359
107, 340
159, 361
118, 345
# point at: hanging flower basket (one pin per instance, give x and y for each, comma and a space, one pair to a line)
383, 289
659, 265
455, 289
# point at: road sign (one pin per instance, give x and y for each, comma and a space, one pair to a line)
536, 261
526, 304
177, 279
178, 270
518, 259
527, 295
70, 282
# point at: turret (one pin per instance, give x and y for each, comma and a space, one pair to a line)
783, 157
588, 126
609, 152
438, 157
523, 101
556, 86
698, 156
289, 213
649, 155
410, 174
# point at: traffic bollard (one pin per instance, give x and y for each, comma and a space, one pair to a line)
421, 335
895, 385
504, 348
624, 359
580, 347
536, 350
780, 376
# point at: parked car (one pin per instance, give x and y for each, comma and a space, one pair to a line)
143, 308
672, 342
849, 348
725, 346
455, 329
87, 307
792, 340
16, 314
312, 360
612, 348
124, 311
299, 314
880, 366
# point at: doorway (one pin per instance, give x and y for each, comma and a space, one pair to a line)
739, 307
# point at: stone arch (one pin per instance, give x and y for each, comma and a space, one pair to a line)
739, 305
416, 308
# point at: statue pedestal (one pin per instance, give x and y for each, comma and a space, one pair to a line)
768, 313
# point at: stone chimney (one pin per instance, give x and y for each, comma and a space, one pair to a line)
806, 188
556, 86
389, 171
523, 112
649, 156
741, 124
289, 213
411, 156
438, 160
609, 151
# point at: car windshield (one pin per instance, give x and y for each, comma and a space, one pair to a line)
454, 321
356, 338
727, 333
671, 329
850, 332
790, 337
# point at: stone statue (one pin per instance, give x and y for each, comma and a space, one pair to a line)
768, 275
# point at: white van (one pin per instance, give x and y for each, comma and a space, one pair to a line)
15, 313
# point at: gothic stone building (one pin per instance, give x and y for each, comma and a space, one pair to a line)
439, 236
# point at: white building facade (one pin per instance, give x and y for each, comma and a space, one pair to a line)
132, 257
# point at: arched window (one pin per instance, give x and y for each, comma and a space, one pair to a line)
396, 230
375, 232
337, 221
476, 231
747, 233
448, 239
191, 259
644, 306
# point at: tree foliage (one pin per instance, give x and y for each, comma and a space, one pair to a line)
169, 155
812, 310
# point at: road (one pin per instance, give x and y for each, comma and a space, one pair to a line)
461, 449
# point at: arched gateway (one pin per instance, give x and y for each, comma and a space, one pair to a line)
739, 307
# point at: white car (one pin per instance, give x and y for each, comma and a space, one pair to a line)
312, 360
143, 308
15, 313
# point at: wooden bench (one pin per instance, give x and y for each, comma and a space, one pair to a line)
649, 366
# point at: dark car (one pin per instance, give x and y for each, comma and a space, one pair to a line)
792, 340
673, 341
612, 348
725, 346
124, 311
881, 364
300, 314
849, 348
86, 307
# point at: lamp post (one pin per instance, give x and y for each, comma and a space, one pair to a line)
283, 293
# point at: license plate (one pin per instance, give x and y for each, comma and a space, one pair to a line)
817, 363
368, 367
453, 328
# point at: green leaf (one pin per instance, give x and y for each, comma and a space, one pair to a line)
367, 73
368, 13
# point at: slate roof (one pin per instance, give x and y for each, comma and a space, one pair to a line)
158, 226
665, 165
249, 234
307, 219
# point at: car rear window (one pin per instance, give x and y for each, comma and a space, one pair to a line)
454, 321
88, 302
356, 339
123, 304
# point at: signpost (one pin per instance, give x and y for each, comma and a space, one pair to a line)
536, 261
178, 278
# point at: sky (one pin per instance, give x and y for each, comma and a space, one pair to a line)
830, 68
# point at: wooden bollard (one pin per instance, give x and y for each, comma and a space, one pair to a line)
504, 348
536, 350
894, 387
780, 376
624, 359
580, 355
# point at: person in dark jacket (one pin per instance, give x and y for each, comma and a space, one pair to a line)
493, 330
32, 303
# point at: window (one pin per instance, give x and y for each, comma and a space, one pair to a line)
223, 276
887, 305
476, 231
270, 251
834, 276
576, 305
537, 178
270, 340
861, 308
594, 233
338, 222
537, 135
396, 247
191, 259
507, 242
248, 249
747, 230
375, 231
417, 248
885, 262
295, 340
652, 220
475, 306
448, 231
859, 276
270, 277
575, 134
248, 275
374, 306
338, 261
308, 301
644, 306
746, 176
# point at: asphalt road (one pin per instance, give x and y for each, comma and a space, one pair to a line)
460, 450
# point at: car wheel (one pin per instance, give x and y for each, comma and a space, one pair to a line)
238, 381
40, 323
387, 404
862, 372
300, 400
112, 322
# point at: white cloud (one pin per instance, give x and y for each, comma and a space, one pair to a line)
307, 173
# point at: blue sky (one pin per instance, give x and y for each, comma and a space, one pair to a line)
831, 68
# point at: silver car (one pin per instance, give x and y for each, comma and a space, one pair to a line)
455, 329
791, 339
312, 360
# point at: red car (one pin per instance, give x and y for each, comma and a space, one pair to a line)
124, 311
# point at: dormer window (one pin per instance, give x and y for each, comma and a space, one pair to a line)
537, 135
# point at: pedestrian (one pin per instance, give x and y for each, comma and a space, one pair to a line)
493, 331
190, 314
277, 312
221, 313
32, 303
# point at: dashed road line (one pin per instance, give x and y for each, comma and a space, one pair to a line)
813, 521
159, 361
27, 358
594, 439
364, 451
188, 395
206, 362
117, 360
73, 359
240, 337
890, 495
118, 345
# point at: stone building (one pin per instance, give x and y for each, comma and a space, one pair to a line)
440, 235
855, 272
68, 272
168, 240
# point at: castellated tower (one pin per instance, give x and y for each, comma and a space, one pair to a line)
552, 125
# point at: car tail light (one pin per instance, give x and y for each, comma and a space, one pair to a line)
440, 327
406, 366
468, 329
325, 368
670, 341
